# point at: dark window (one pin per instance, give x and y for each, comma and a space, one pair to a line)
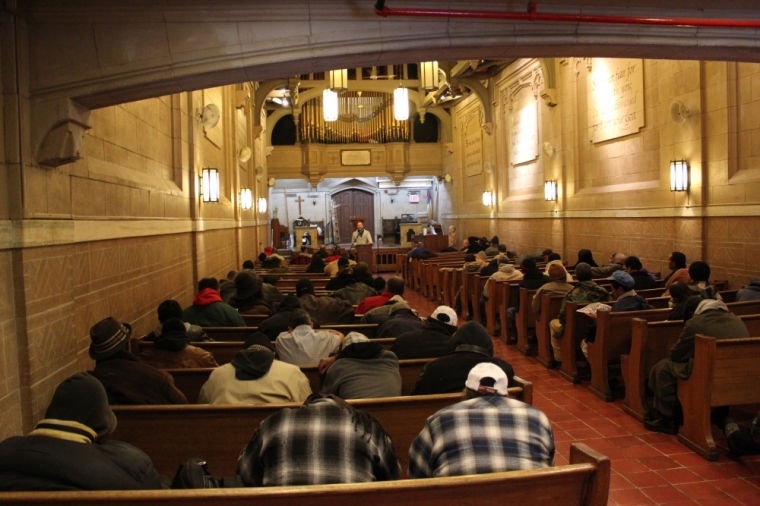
284, 132
423, 132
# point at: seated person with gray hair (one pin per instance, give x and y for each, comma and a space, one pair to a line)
301, 345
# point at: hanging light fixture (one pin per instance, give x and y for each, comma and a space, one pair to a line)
262, 205
330, 105
338, 80
428, 75
550, 190
401, 104
246, 199
210, 185
487, 198
679, 175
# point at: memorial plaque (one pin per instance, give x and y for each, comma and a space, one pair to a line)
615, 98
355, 157
523, 134
472, 139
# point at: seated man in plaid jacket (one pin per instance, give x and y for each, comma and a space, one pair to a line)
486, 433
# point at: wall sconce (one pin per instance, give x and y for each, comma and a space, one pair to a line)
330, 105
210, 185
246, 199
262, 205
401, 104
314, 202
429, 75
487, 198
679, 176
550, 190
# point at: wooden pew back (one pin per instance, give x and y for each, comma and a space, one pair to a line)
584, 482
526, 322
550, 307
576, 326
243, 333
726, 373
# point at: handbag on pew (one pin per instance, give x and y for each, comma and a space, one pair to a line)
194, 474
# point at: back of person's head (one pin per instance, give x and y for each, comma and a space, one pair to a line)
633, 263
528, 263
395, 285
343, 262
699, 271
304, 287
169, 309
583, 272
346, 272
680, 291
361, 269
378, 284
502, 248
81, 398
679, 259
288, 303
472, 333
298, 317
618, 258
690, 307
553, 256
494, 241
557, 272
547, 252
469, 258
486, 379
231, 275
271, 263
208, 283
248, 264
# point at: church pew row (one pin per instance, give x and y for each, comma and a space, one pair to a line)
726, 373
225, 351
190, 381
525, 318
613, 339
243, 333
550, 307
650, 343
172, 434
585, 481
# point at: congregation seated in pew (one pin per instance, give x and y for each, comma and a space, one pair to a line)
171, 309
255, 376
248, 298
278, 323
432, 340
324, 310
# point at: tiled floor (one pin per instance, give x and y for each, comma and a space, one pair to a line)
647, 468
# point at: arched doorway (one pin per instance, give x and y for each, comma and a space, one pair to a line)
352, 203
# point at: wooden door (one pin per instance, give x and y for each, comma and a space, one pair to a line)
354, 203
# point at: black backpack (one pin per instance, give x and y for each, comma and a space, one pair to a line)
194, 474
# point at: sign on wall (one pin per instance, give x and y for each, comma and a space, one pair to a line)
615, 98
473, 147
523, 134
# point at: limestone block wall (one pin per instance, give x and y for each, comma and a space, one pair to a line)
10, 385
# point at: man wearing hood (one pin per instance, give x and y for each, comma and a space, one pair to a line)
710, 318
323, 310
485, 433
248, 297
208, 309
255, 377
401, 320
362, 370
171, 309
584, 291
354, 291
432, 340
65, 450
172, 349
470, 346
125, 378
506, 272
277, 324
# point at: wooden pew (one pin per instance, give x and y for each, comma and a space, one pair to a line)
726, 373
494, 302
650, 343
225, 351
613, 339
583, 482
526, 322
173, 434
550, 307
243, 333
476, 292
576, 325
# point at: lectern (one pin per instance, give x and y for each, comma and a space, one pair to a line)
365, 254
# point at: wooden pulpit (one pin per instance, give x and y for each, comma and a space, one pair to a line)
364, 253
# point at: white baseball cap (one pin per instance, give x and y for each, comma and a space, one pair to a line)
353, 338
448, 314
488, 370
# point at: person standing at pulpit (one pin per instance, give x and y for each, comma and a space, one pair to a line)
361, 236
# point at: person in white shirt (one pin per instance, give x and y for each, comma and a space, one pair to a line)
301, 345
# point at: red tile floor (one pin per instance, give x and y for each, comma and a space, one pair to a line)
647, 468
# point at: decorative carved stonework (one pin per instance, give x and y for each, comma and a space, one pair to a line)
59, 127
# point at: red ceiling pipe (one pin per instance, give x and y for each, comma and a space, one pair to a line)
534, 15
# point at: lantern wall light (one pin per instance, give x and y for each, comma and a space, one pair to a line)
488, 198
401, 104
262, 205
210, 185
679, 175
550, 190
246, 199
